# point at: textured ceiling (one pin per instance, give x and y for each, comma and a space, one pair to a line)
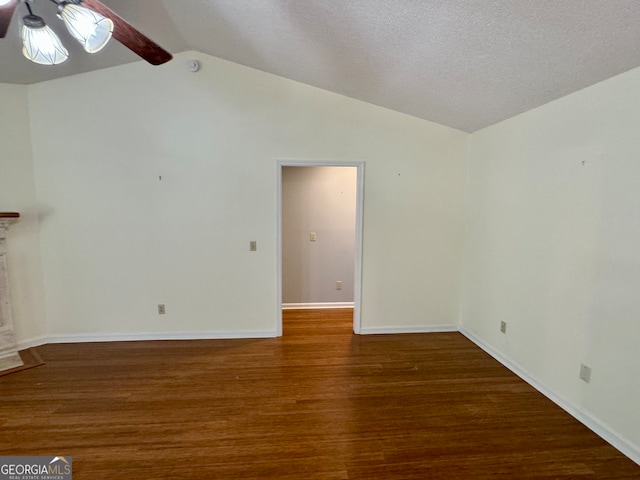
462, 63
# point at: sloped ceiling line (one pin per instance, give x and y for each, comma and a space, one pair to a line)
466, 64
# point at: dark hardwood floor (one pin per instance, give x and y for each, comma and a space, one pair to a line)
318, 403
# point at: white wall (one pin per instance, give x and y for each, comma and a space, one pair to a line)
118, 240
17, 193
553, 247
321, 200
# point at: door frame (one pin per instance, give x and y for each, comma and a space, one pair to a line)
357, 277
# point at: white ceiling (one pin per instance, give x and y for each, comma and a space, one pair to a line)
466, 64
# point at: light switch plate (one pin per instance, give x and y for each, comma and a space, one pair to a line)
585, 373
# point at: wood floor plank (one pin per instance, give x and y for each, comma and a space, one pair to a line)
318, 403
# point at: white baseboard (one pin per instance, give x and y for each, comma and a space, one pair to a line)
32, 342
408, 329
625, 446
303, 306
137, 337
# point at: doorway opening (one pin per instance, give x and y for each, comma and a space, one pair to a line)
319, 227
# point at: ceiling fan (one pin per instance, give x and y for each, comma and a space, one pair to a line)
90, 21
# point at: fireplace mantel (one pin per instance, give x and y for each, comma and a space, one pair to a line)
9, 357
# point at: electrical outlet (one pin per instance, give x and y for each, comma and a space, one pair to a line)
161, 309
585, 373
503, 327
339, 285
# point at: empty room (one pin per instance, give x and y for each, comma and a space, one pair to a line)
475, 313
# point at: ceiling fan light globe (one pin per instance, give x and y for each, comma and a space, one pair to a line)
91, 29
41, 45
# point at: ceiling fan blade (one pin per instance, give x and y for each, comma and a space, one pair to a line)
129, 36
6, 12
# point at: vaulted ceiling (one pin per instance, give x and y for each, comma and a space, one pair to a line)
466, 64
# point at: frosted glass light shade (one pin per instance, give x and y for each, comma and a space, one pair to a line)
40, 44
91, 29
